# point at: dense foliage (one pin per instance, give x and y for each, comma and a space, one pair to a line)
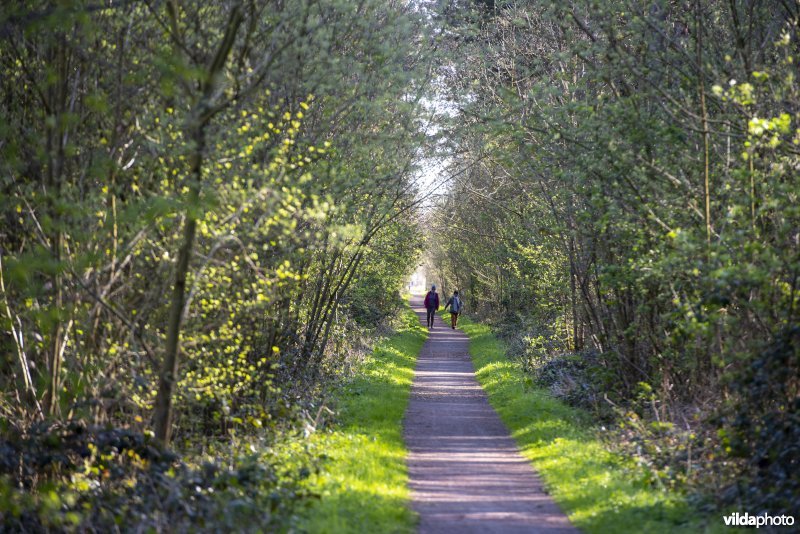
199, 201
204, 206
626, 203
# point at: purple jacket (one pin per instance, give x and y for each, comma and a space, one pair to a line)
432, 300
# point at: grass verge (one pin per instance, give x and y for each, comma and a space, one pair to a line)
364, 481
599, 490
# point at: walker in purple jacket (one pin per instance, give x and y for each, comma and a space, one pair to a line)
431, 305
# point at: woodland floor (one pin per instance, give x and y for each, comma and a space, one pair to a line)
465, 471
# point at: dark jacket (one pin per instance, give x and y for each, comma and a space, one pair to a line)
432, 300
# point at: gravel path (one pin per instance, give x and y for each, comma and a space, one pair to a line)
466, 473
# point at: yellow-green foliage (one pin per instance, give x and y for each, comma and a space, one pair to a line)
363, 486
599, 490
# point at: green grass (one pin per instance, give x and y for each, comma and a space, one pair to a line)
599, 490
364, 484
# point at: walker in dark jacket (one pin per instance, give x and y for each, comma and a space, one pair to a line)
431, 305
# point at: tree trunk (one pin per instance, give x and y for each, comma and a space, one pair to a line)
203, 112
169, 369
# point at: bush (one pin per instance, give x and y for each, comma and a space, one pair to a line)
78, 477
372, 300
576, 378
762, 428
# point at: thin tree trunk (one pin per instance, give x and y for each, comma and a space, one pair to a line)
55, 149
704, 111
169, 370
204, 111
576, 342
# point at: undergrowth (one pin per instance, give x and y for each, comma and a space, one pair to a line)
72, 477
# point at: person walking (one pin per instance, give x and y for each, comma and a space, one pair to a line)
431, 304
456, 306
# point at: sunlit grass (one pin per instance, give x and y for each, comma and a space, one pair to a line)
599, 490
364, 483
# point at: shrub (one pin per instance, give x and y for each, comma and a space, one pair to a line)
78, 477
762, 428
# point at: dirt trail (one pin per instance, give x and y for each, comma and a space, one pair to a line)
466, 473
